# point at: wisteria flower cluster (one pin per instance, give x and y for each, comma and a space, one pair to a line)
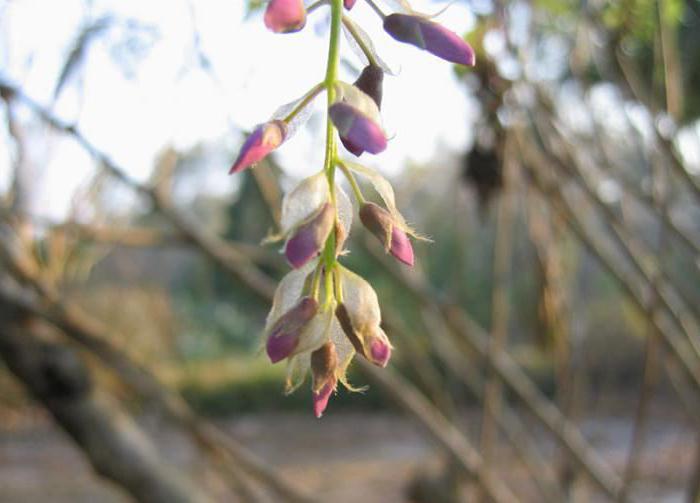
322, 313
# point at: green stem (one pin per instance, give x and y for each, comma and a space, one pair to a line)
376, 9
350, 26
331, 147
353, 183
307, 99
315, 6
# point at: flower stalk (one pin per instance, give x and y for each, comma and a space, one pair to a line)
323, 314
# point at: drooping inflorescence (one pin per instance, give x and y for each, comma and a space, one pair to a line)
323, 314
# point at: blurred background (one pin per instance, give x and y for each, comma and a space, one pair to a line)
547, 343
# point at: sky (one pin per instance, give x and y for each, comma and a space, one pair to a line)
160, 97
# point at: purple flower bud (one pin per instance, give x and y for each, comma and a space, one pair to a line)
324, 362
370, 82
349, 4
266, 138
356, 116
309, 238
382, 224
358, 132
430, 36
284, 334
285, 16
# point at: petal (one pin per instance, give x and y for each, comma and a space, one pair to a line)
321, 398
309, 238
285, 16
264, 139
287, 294
380, 349
401, 247
355, 127
405, 28
285, 333
349, 4
280, 347
446, 44
345, 212
303, 201
430, 36
361, 301
370, 82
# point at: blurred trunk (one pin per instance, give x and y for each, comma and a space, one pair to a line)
115, 445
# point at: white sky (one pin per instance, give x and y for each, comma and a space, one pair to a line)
167, 103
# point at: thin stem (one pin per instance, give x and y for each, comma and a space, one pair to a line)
376, 9
338, 285
352, 29
331, 147
353, 182
307, 99
316, 282
315, 6
328, 277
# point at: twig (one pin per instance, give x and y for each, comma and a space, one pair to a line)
439, 428
565, 433
234, 262
500, 310
679, 346
92, 335
115, 445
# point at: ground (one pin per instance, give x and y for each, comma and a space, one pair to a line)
344, 457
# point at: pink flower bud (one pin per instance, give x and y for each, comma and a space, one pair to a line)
321, 398
284, 334
382, 224
310, 237
349, 4
324, 362
430, 36
356, 116
285, 16
379, 350
266, 138
367, 339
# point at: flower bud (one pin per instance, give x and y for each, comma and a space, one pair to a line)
370, 82
266, 138
356, 116
324, 362
309, 238
368, 340
430, 36
285, 16
379, 348
349, 4
383, 225
286, 331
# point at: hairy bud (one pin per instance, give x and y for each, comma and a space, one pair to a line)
285, 333
324, 362
383, 225
264, 139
